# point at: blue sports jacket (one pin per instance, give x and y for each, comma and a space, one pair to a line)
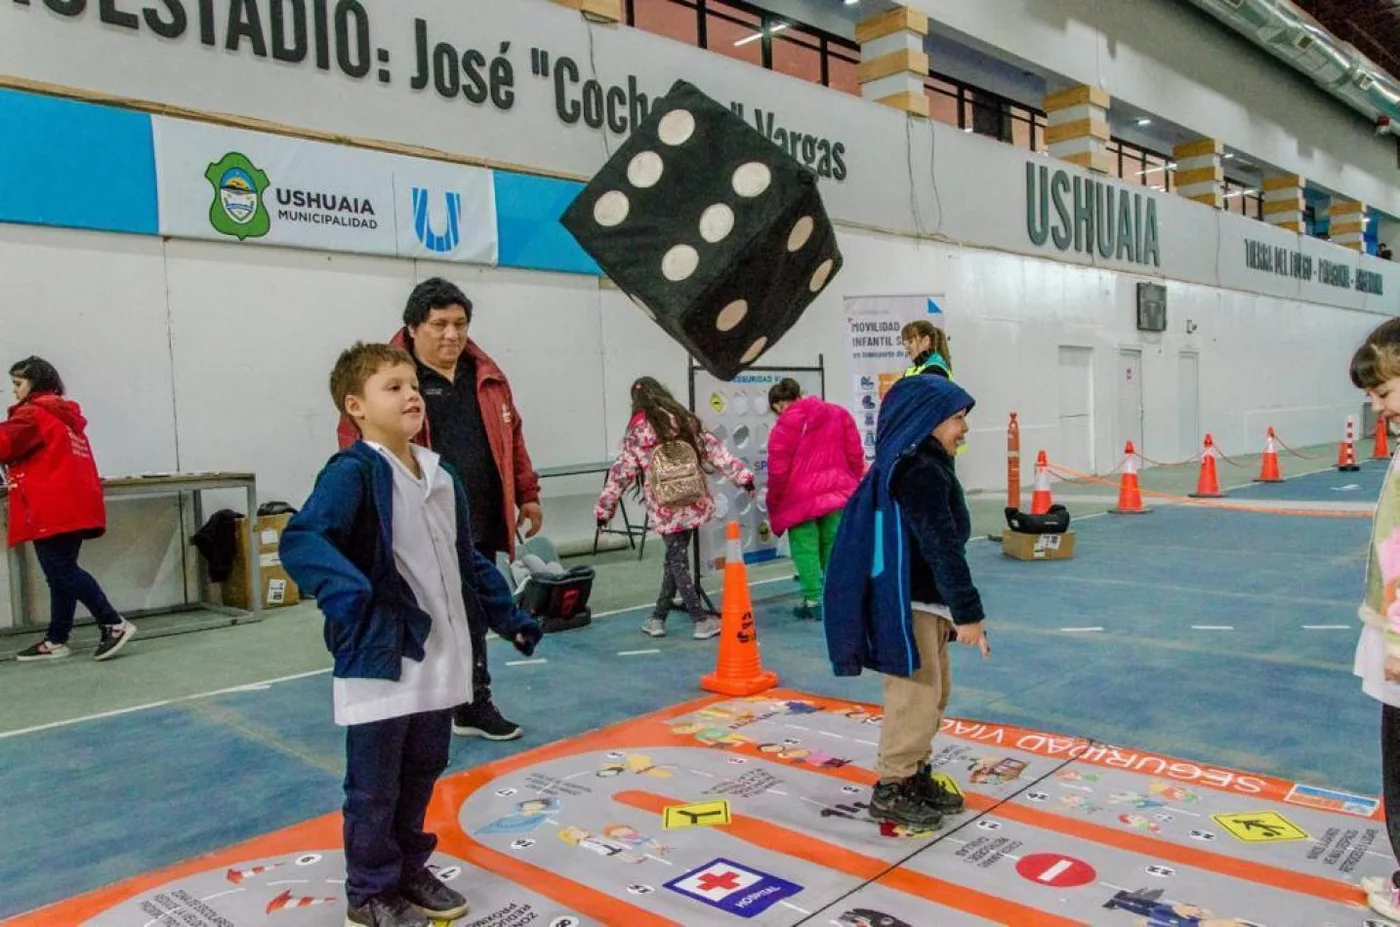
340, 549
867, 615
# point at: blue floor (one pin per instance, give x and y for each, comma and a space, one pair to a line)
136, 792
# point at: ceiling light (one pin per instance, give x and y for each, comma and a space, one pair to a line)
852, 2
758, 35
1229, 156
1144, 121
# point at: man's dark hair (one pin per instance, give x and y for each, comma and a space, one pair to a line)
435, 293
42, 376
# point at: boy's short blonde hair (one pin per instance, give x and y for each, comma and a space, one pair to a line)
357, 364
1378, 358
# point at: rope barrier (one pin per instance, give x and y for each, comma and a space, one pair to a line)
1224, 506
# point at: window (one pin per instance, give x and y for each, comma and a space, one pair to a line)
1155, 173
842, 71
733, 32
798, 53
1115, 159
942, 101
675, 19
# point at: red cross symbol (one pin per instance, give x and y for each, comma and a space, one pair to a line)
710, 881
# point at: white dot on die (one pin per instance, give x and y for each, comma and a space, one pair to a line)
754, 350
823, 271
676, 127
716, 223
801, 232
645, 169
752, 178
731, 315
679, 263
611, 209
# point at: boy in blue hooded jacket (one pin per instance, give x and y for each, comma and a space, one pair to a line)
384, 543
899, 588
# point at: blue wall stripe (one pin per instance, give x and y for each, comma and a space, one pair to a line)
76, 165
527, 223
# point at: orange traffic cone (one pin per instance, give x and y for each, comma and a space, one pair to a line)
738, 669
1208, 484
1040, 499
1268, 468
1129, 489
1346, 454
1381, 450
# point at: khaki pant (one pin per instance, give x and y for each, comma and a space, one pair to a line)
914, 705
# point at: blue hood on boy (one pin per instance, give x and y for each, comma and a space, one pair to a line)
867, 609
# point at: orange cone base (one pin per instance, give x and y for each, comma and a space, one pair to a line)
751, 685
1348, 468
1206, 495
1272, 479
1130, 511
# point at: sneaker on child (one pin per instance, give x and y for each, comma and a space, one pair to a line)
706, 628
44, 650
654, 627
483, 719
899, 802
429, 894
386, 911
935, 793
114, 638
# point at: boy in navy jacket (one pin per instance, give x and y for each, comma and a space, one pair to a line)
899, 589
384, 543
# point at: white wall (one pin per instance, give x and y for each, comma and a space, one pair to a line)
1170, 59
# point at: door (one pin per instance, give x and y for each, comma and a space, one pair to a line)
1076, 398
1188, 391
1129, 401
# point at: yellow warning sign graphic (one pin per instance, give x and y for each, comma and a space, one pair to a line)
947, 782
1260, 827
717, 403
703, 814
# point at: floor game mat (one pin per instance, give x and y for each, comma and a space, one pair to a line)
729, 810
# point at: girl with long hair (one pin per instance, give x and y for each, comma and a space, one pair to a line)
670, 454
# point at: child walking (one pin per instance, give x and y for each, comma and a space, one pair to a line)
669, 452
1375, 368
384, 544
815, 462
900, 590
56, 503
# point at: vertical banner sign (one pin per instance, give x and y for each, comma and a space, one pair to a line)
878, 360
737, 413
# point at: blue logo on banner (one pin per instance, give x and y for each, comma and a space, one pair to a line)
934, 308
446, 242
733, 889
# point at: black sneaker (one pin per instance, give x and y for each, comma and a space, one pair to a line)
896, 801
44, 650
386, 911
429, 894
935, 793
483, 719
114, 638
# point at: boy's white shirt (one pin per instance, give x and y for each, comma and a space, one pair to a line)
425, 553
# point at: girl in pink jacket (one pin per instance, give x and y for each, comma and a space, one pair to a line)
670, 454
815, 463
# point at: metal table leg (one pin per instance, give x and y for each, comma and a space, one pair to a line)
254, 561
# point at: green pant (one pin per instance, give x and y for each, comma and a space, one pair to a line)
811, 544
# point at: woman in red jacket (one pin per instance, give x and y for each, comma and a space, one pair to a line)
815, 463
56, 503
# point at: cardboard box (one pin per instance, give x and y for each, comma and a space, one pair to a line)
278, 590
1038, 546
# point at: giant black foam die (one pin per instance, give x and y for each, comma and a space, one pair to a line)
715, 232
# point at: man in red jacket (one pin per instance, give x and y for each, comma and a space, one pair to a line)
473, 423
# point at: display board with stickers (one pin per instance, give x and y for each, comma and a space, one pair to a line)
736, 412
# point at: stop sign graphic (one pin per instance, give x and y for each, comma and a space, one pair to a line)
1055, 870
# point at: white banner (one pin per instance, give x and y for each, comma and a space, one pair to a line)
221, 184
873, 324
